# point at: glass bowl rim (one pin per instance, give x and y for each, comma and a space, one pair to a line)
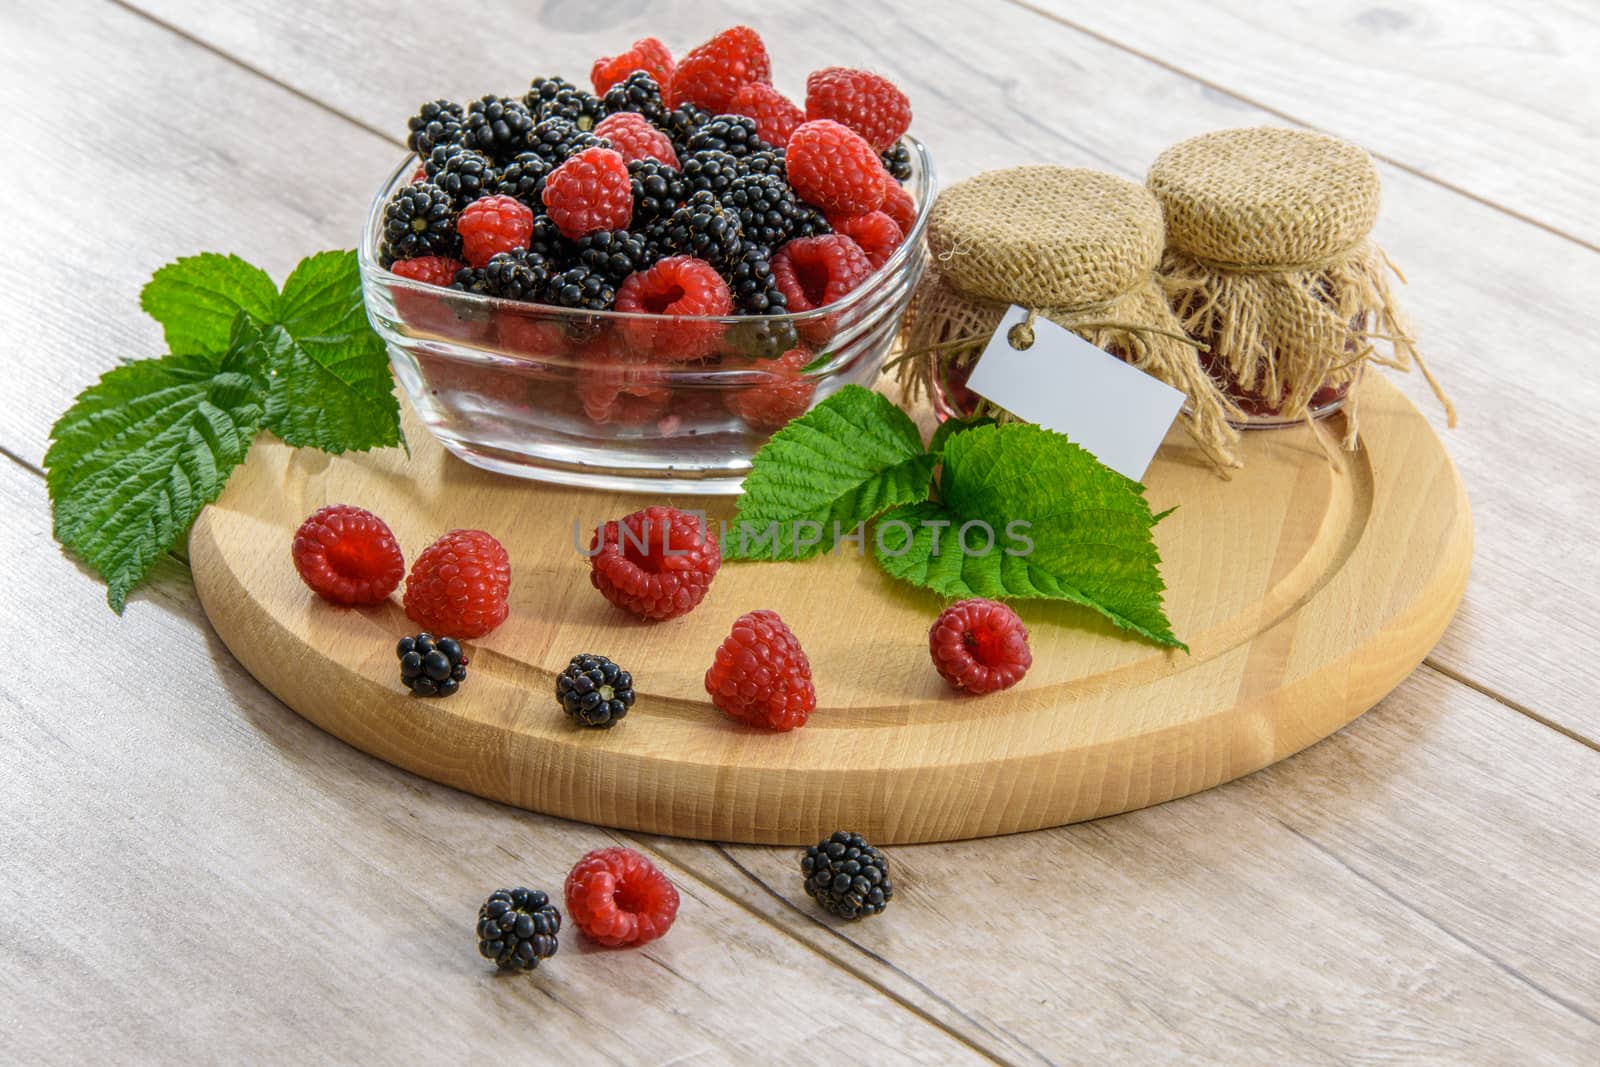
926, 185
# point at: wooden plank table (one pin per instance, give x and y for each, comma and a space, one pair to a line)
189, 871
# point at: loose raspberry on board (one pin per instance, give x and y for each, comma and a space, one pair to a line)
347, 555
617, 897
656, 563
980, 646
761, 676
459, 585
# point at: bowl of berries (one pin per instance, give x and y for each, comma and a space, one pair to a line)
634, 288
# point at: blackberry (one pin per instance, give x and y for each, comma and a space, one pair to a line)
682, 122
711, 171
556, 138
733, 134
435, 123
755, 291
497, 127
615, 254
897, 161
847, 876
419, 220
657, 190
639, 92
516, 275
548, 242
767, 208
463, 173
581, 287
706, 230
523, 177
594, 691
765, 161
517, 928
549, 98
762, 338
810, 221
431, 666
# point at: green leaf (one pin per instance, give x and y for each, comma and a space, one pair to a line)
143, 450
1089, 528
331, 386
955, 426
197, 299
842, 462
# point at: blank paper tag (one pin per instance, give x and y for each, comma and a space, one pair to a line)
1066, 384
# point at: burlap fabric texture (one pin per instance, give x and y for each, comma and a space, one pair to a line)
1075, 246
1269, 261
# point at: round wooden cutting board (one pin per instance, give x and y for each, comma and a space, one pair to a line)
1305, 591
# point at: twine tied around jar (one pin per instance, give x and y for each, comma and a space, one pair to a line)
1269, 260
1074, 246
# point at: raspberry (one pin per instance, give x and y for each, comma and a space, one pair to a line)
656, 563
633, 136
899, 206
678, 285
517, 928
787, 395
847, 876
431, 270
710, 75
876, 233
867, 103
590, 192
761, 676
647, 54
814, 271
623, 392
775, 114
980, 646
491, 225
431, 666
617, 897
830, 166
347, 555
459, 585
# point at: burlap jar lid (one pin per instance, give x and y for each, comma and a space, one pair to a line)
1266, 196
1045, 236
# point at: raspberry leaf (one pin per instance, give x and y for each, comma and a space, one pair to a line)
144, 449
331, 387
1089, 529
197, 298
844, 461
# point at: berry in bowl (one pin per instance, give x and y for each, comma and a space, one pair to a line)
635, 287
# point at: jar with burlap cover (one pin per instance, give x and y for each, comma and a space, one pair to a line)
1075, 246
1270, 262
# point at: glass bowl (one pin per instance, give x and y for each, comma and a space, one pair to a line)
625, 401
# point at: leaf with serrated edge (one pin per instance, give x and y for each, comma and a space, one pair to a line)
167, 437
197, 298
1090, 529
950, 427
331, 387
844, 461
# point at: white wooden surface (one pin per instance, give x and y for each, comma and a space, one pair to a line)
189, 871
